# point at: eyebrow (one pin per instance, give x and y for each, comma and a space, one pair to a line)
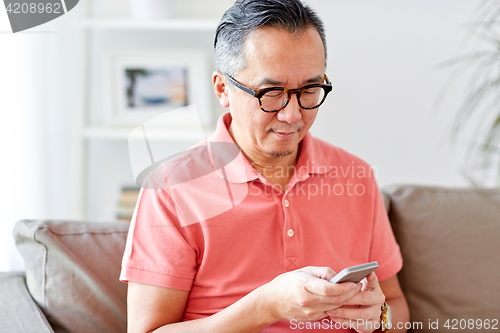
270, 81
316, 79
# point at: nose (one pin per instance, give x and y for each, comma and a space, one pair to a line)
290, 113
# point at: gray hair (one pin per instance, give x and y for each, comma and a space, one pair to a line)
245, 16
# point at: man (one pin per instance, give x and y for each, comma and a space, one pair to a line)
264, 265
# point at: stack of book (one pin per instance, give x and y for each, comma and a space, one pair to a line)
128, 200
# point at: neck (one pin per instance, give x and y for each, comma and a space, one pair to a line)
274, 164
277, 170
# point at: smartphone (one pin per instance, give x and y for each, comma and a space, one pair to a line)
355, 273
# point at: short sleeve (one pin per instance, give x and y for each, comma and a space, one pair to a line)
384, 247
158, 251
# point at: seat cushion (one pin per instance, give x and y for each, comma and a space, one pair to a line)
72, 271
18, 311
450, 241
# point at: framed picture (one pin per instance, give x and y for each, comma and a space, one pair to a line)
145, 85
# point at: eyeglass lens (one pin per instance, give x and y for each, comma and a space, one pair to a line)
275, 99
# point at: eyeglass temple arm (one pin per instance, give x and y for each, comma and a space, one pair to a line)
253, 92
327, 80
239, 85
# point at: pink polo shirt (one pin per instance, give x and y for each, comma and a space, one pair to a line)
189, 236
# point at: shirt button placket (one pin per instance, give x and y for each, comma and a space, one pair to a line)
290, 231
291, 258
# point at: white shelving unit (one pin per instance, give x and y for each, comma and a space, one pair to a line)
137, 24
101, 158
104, 133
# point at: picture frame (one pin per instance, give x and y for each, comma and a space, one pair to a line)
147, 84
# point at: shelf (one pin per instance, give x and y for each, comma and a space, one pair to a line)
209, 25
173, 135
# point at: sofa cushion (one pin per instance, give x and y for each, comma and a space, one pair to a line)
387, 201
450, 241
18, 311
72, 271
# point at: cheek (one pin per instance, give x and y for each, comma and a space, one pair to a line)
253, 118
243, 108
259, 122
309, 117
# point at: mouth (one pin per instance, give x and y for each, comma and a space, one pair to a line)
284, 135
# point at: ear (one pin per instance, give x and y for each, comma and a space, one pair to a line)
221, 88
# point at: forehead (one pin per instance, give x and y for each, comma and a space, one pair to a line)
277, 52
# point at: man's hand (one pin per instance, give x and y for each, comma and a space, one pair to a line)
306, 294
364, 306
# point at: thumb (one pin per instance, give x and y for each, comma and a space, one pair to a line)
325, 273
371, 282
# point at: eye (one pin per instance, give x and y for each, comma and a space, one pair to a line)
274, 93
311, 91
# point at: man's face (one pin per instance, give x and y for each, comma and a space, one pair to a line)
275, 58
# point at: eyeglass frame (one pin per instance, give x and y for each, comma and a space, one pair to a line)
258, 93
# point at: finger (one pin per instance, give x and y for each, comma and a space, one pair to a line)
366, 298
336, 300
364, 282
342, 299
323, 308
345, 322
327, 289
358, 325
364, 312
372, 281
325, 273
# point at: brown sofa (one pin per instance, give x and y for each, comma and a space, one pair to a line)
450, 240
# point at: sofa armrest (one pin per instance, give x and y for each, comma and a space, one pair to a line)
18, 311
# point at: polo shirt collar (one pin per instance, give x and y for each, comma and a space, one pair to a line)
311, 159
238, 170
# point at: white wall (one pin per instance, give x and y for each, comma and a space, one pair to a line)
382, 57
37, 96
382, 54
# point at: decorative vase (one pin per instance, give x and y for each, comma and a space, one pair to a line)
150, 8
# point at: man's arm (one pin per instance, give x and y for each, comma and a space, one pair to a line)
149, 307
396, 299
304, 295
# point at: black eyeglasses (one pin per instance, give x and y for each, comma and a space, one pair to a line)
274, 99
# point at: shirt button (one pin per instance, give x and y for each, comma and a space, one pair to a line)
290, 232
286, 205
